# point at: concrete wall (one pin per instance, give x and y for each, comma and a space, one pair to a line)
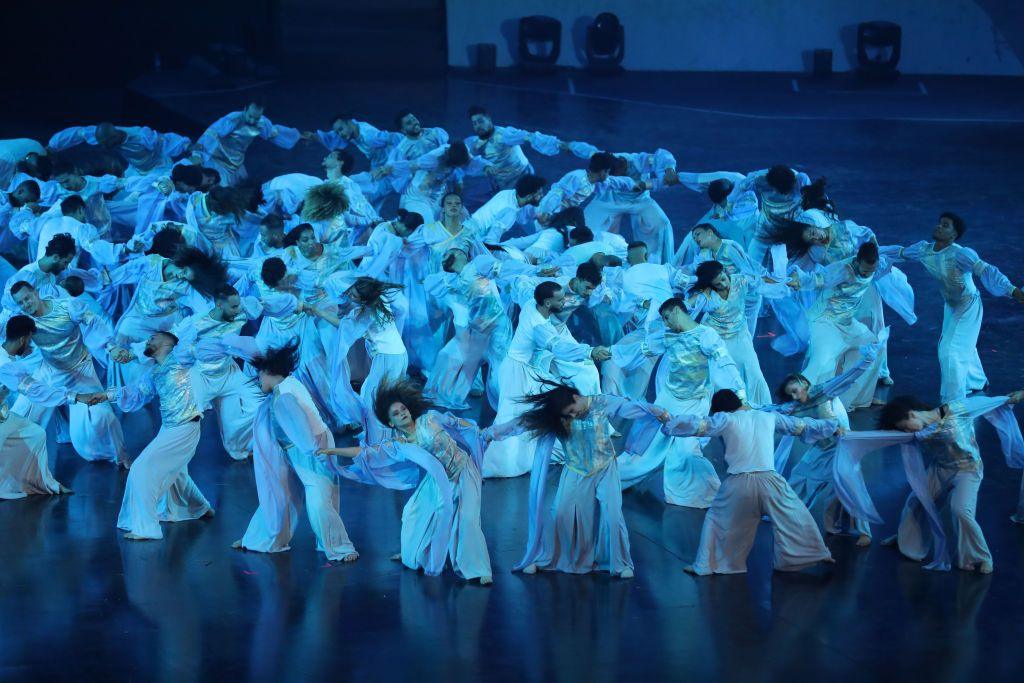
939, 36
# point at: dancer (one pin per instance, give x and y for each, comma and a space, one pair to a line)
541, 348
159, 488
442, 517
24, 462
288, 433
501, 148
66, 331
954, 266
219, 383
224, 144
145, 150
835, 333
753, 488
694, 363
586, 530
718, 300
955, 470
812, 478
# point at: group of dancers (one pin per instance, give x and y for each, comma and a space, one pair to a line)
157, 275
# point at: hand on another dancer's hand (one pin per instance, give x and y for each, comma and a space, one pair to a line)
1017, 396
600, 353
661, 415
1018, 295
670, 177
839, 433
306, 135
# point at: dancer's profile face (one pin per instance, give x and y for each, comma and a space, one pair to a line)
399, 415
813, 235
797, 390
944, 231
913, 422
674, 318
575, 409
701, 237
230, 307
721, 282
556, 301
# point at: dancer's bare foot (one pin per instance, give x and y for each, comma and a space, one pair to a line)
486, 580
124, 465
135, 537
209, 514
351, 557
890, 542
626, 574
64, 489
864, 541
1017, 519
397, 557
688, 568
237, 545
985, 568
530, 569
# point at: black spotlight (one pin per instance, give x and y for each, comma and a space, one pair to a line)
878, 49
540, 43
606, 43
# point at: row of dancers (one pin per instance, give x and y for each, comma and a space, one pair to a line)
148, 257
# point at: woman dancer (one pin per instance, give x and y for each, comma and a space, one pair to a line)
442, 518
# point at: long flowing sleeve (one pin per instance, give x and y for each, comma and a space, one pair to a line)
19, 376
132, 397
209, 140
696, 425
566, 350
808, 429
96, 333
538, 480
853, 493
724, 373
644, 415
296, 424
991, 277
634, 349
70, 137
278, 135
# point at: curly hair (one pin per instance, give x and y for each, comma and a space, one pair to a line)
325, 201
405, 391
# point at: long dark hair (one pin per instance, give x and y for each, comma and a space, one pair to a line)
280, 360
545, 413
898, 409
813, 196
376, 296
706, 272
566, 220
404, 391
208, 271
782, 230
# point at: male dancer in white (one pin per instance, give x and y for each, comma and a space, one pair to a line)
219, 383
224, 144
753, 488
66, 330
24, 465
501, 147
540, 349
694, 362
954, 265
159, 488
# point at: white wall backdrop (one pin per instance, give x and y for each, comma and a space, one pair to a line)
939, 36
